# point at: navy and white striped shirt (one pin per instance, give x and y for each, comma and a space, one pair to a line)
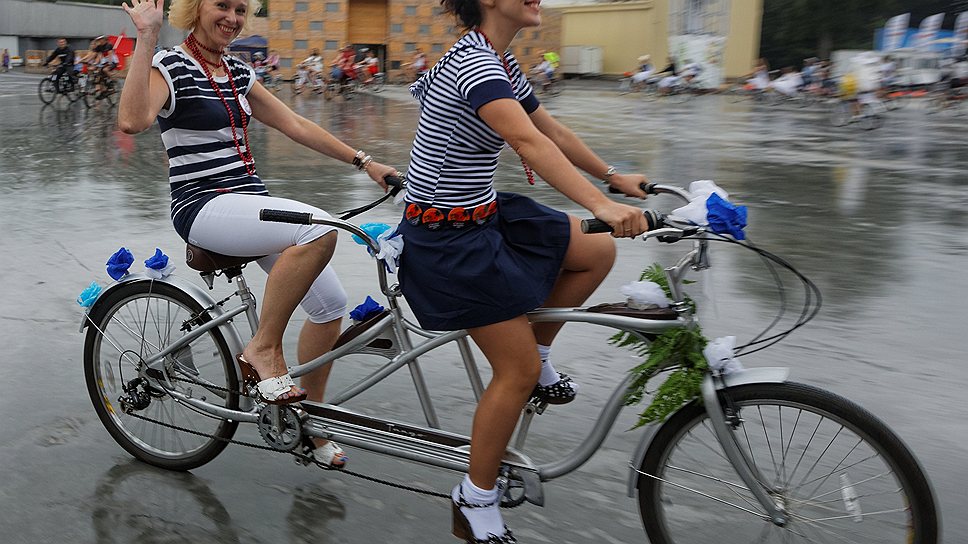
203, 161
455, 153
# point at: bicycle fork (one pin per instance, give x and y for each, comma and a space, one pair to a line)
737, 457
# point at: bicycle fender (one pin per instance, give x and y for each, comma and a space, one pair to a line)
740, 377
231, 335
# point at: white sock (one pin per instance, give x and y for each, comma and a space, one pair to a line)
484, 521
548, 375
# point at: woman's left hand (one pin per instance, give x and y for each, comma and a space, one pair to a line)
378, 171
629, 184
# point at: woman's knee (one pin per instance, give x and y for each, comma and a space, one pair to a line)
589, 252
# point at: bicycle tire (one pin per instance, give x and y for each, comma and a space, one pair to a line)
840, 114
378, 83
88, 94
47, 90
146, 315
830, 507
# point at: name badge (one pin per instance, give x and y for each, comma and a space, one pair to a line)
244, 103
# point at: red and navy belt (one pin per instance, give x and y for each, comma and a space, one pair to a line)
435, 217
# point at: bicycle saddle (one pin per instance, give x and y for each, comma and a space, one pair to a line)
209, 261
620, 308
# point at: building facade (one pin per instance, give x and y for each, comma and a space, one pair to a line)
394, 29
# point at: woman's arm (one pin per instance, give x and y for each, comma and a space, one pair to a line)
581, 156
273, 112
145, 90
506, 117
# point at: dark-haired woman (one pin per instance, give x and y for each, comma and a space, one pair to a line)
480, 260
203, 99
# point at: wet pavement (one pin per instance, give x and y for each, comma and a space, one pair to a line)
876, 218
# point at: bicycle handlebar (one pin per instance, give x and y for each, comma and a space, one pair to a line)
655, 219
285, 216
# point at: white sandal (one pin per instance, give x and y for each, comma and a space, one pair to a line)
327, 453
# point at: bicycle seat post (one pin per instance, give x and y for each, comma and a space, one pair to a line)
251, 311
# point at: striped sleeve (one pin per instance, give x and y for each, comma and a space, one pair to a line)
481, 78
162, 61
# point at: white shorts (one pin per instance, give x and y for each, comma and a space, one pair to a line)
639, 77
229, 224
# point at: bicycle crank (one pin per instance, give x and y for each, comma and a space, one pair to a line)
281, 427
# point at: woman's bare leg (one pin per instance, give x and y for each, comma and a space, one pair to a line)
289, 281
315, 340
588, 260
510, 348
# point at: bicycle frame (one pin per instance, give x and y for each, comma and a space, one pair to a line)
429, 444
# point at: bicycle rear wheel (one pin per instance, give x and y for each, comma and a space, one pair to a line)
141, 318
840, 473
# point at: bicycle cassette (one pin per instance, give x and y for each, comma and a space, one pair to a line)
280, 427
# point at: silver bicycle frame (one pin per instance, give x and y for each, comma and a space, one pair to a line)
432, 446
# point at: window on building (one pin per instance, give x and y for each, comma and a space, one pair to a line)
285, 25
394, 65
285, 63
536, 34
424, 29
527, 51
410, 10
410, 46
332, 6
301, 6
331, 44
396, 28
300, 44
315, 25
437, 47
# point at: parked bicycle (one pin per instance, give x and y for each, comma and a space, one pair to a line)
757, 458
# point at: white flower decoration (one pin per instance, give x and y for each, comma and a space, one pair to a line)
719, 355
645, 294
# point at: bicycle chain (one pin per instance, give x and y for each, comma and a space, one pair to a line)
302, 457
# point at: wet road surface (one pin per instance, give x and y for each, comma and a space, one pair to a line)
877, 219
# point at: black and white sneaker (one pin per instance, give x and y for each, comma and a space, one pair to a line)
561, 392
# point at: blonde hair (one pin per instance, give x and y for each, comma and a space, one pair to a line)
183, 14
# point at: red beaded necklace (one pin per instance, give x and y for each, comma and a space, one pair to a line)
192, 43
527, 169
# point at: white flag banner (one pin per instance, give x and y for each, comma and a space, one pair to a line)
928, 30
961, 34
894, 30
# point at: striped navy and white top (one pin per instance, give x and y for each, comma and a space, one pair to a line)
455, 153
202, 159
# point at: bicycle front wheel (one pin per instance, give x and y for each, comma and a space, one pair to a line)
47, 90
841, 475
139, 319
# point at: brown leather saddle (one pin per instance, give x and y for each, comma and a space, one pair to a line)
206, 261
620, 308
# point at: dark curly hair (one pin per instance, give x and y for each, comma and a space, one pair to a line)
468, 12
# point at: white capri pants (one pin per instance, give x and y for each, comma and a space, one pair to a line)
229, 224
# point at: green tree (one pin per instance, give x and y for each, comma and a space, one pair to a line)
795, 29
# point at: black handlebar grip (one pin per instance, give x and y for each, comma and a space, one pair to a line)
647, 188
594, 226
395, 183
286, 216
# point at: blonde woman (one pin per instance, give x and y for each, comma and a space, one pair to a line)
203, 100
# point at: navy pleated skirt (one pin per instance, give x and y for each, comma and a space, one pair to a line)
463, 278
